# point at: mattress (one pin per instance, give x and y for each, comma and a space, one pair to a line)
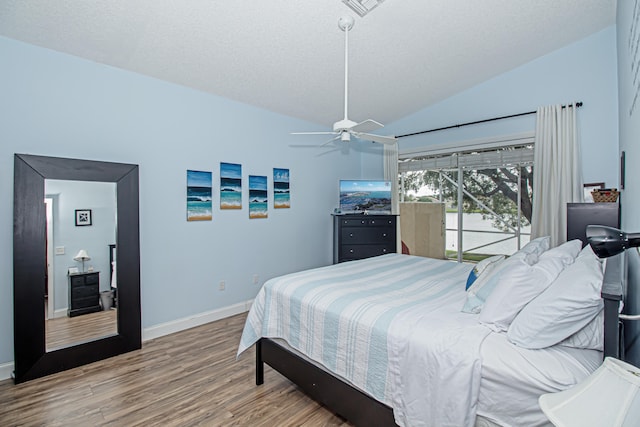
513, 378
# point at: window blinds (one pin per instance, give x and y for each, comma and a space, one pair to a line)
477, 154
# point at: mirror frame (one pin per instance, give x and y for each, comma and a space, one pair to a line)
31, 360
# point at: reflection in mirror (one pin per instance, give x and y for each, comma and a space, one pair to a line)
34, 356
79, 293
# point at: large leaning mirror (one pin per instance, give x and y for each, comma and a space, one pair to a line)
76, 263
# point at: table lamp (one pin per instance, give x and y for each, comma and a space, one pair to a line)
82, 256
608, 397
608, 241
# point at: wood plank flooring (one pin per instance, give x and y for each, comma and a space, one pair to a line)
190, 378
65, 331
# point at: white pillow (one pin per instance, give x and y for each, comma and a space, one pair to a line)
482, 267
537, 246
590, 337
515, 288
478, 293
567, 251
564, 308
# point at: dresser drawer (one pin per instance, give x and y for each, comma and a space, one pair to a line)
364, 235
363, 221
86, 302
351, 252
84, 291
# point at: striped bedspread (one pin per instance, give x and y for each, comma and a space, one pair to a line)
341, 315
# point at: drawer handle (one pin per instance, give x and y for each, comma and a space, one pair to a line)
361, 222
384, 234
350, 234
373, 221
384, 250
351, 251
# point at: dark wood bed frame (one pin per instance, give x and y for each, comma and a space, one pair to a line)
363, 410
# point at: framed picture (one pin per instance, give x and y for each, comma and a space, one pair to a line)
83, 217
588, 188
73, 270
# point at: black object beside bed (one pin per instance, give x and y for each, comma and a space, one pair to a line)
361, 409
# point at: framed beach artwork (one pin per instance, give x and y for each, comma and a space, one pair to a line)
258, 199
230, 186
199, 192
281, 191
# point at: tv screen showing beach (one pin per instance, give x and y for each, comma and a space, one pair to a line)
359, 196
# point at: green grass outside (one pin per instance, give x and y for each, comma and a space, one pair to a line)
468, 257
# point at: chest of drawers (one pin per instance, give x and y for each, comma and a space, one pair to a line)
84, 293
363, 236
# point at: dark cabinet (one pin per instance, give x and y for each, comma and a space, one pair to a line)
84, 293
363, 236
579, 215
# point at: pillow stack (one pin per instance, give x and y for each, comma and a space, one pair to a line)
484, 284
522, 282
569, 306
540, 296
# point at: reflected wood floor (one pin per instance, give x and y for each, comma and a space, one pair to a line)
190, 378
63, 331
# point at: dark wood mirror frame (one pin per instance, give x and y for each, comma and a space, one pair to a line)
29, 264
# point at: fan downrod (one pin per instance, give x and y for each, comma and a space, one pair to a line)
345, 23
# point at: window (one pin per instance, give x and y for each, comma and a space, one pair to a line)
490, 212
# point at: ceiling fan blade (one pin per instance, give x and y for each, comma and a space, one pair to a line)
376, 138
330, 141
313, 133
366, 126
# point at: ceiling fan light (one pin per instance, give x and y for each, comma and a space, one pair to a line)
362, 7
345, 136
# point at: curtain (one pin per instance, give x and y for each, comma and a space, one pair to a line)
557, 174
391, 174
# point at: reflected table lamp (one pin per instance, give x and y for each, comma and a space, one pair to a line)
82, 256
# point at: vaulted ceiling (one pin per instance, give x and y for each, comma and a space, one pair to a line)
287, 55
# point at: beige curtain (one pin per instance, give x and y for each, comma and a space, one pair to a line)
557, 175
391, 173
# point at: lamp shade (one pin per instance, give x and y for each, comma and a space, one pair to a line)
608, 397
82, 256
608, 241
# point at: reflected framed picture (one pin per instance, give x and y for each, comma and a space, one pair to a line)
83, 217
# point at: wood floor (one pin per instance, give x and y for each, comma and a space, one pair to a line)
190, 378
65, 331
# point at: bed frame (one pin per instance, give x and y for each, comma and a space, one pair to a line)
363, 410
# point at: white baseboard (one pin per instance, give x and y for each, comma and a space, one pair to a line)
193, 321
157, 331
6, 371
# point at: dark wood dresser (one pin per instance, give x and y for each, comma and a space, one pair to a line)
84, 293
363, 236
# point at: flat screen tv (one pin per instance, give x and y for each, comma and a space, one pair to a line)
365, 196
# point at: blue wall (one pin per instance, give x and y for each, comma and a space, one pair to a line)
629, 117
583, 71
58, 105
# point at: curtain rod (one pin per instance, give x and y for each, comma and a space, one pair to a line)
578, 104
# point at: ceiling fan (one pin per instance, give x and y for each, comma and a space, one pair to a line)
345, 128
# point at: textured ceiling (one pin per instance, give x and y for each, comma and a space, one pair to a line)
287, 55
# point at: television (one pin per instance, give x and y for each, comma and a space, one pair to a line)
365, 197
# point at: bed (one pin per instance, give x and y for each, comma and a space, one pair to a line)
385, 341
